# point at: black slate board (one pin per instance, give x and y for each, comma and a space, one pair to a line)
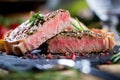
10, 62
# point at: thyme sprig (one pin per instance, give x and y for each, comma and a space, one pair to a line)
36, 19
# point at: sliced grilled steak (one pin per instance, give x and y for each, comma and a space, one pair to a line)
28, 36
86, 41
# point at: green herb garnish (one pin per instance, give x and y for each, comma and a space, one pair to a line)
78, 25
36, 18
116, 58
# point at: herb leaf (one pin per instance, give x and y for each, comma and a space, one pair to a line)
116, 58
78, 25
36, 18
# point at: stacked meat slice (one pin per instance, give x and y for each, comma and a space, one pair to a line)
52, 30
26, 37
82, 42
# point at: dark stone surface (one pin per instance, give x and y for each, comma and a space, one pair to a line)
11, 62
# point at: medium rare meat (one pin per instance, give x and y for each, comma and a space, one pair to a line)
82, 42
30, 35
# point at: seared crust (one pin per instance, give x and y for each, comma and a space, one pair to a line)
9, 46
2, 47
19, 49
111, 41
80, 34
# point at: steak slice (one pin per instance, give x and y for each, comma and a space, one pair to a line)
82, 42
26, 37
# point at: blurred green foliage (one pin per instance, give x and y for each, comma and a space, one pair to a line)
46, 75
78, 6
6, 22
